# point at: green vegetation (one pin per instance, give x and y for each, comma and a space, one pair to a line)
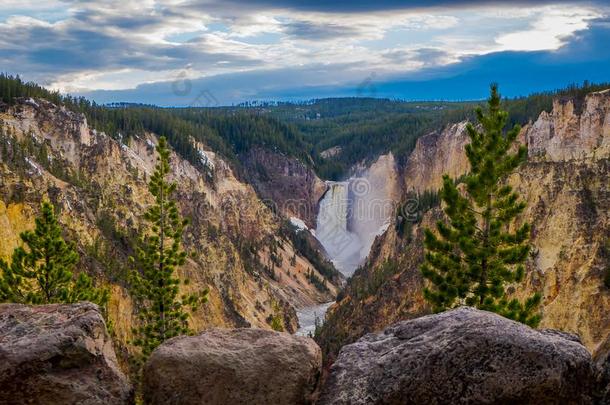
364, 127
412, 209
319, 283
361, 127
476, 253
43, 273
162, 314
276, 320
363, 286
301, 242
226, 133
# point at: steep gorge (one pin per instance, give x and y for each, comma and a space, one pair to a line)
237, 246
566, 184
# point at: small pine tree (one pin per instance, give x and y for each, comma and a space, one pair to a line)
42, 273
276, 319
476, 254
162, 314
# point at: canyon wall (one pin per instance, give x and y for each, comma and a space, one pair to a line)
99, 186
285, 182
566, 184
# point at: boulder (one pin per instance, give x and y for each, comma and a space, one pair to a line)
462, 356
58, 354
233, 366
602, 362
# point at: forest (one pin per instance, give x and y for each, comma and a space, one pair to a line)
358, 127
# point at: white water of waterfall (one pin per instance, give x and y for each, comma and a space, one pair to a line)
351, 214
342, 246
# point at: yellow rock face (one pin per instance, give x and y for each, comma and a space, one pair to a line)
14, 219
101, 194
566, 184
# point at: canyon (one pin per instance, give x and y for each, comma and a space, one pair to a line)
238, 248
565, 183
336, 259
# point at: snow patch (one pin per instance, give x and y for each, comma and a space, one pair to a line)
34, 166
299, 224
383, 228
205, 159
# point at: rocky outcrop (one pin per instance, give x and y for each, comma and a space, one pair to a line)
286, 182
238, 366
575, 129
58, 354
567, 205
435, 154
462, 356
603, 365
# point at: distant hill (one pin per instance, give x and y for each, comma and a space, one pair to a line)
354, 128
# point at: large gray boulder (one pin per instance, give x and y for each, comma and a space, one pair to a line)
58, 354
233, 366
462, 356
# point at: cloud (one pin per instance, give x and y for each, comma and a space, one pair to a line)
279, 46
314, 31
519, 73
550, 31
94, 42
359, 6
425, 57
225, 89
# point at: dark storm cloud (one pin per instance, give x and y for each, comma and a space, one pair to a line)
315, 31
347, 6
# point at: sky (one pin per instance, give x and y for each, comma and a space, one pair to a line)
222, 52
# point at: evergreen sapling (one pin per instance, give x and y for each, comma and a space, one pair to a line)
41, 271
162, 314
480, 249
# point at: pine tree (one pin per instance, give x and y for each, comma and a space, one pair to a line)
480, 249
42, 273
162, 313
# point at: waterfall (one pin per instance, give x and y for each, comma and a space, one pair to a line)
342, 245
351, 214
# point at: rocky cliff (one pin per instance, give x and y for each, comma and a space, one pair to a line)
566, 185
292, 187
435, 154
99, 185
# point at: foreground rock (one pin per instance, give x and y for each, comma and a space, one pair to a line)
58, 354
233, 366
461, 356
604, 382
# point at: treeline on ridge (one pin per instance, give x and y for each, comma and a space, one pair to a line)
360, 128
